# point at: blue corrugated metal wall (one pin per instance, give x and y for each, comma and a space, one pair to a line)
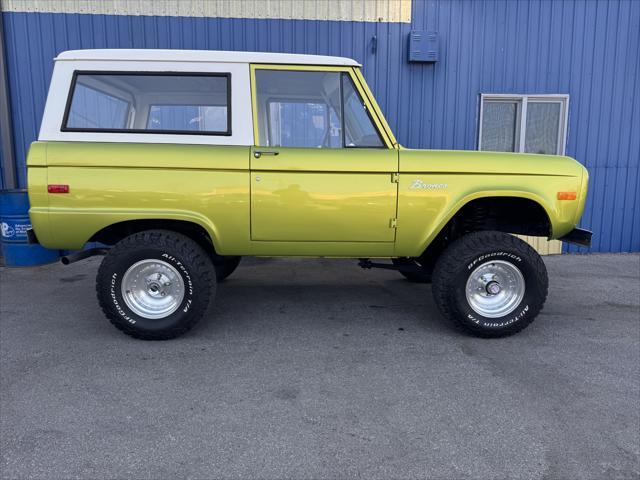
588, 49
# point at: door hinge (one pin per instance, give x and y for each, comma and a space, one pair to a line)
395, 177
393, 223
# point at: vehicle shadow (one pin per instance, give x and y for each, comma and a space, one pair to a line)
388, 304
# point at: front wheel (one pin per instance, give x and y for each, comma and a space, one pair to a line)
490, 284
155, 285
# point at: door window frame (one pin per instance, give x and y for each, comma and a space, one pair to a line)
521, 120
375, 115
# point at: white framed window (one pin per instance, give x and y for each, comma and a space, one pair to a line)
188, 121
523, 123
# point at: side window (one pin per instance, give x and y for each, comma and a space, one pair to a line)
523, 123
193, 103
310, 109
299, 108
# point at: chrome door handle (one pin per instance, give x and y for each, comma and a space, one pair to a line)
259, 153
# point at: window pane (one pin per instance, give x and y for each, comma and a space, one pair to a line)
303, 124
95, 109
299, 109
543, 127
187, 117
359, 129
150, 103
500, 126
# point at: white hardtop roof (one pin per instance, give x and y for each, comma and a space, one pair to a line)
212, 56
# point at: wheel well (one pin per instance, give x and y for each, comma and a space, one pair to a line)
114, 233
505, 214
515, 215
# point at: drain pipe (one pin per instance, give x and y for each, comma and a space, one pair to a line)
6, 130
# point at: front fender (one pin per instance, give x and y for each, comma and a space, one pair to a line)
423, 212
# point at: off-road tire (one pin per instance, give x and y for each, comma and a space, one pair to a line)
226, 266
455, 265
186, 256
420, 276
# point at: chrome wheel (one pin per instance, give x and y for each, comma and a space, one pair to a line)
495, 289
152, 288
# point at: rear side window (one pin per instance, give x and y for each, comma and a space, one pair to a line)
182, 103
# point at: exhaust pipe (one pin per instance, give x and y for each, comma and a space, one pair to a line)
82, 254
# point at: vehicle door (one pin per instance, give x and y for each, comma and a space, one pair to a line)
322, 168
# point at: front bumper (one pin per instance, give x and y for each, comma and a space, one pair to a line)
578, 236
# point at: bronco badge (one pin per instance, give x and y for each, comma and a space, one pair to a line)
420, 185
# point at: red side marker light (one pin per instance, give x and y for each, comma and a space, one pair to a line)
567, 195
53, 188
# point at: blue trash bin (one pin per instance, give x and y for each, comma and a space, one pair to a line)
14, 223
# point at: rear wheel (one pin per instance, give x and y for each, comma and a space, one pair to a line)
490, 284
155, 285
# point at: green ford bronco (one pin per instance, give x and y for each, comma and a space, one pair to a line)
181, 162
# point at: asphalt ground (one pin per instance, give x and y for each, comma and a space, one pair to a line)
318, 369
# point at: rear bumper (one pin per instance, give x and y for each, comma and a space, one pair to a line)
578, 236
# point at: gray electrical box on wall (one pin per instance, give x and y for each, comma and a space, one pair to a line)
423, 46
